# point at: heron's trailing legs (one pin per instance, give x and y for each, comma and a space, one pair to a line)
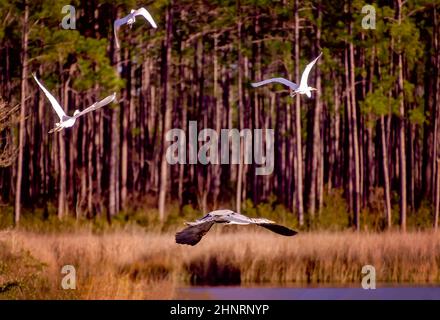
57, 128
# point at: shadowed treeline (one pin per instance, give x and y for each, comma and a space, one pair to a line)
369, 135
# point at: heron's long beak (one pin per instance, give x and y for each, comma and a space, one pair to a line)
313, 89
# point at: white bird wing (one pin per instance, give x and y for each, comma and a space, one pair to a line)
143, 12
97, 105
60, 112
193, 234
305, 74
117, 24
286, 82
122, 21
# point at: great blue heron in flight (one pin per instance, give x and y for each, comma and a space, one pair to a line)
303, 87
130, 19
65, 120
192, 234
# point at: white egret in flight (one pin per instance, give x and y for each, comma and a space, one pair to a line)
303, 87
65, 120
197, 229
131, 19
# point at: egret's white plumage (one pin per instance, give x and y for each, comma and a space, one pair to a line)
197, 229
65, 120
58, 109
130, 19
303, 87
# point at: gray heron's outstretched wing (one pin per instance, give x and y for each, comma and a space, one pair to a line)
193, 234
122, 21
286, 82
272, 226
60, 112
305, 75
97, 105
282, 230
143, 12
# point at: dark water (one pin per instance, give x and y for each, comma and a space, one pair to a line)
312, 293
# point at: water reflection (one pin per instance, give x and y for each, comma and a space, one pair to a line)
385, 292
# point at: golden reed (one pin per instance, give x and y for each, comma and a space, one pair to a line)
131, 264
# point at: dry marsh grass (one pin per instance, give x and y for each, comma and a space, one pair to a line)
138, 265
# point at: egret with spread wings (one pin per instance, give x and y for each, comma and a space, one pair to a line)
65, 120
197, 229
130, 19
302, 88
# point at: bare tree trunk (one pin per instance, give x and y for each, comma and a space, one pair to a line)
412, 164
183, 123
218, 107
88, 136
299, 178
246, 124
114, 161
436, 110
168, 101
350, 178
437, 196
334, 172
370, 158
320, 179
62, 194
316, 148
125, 115
256, 112
385, 136
357, 186
22, 131
113, 206
240, 111
386, 175
402, 151
99, 140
